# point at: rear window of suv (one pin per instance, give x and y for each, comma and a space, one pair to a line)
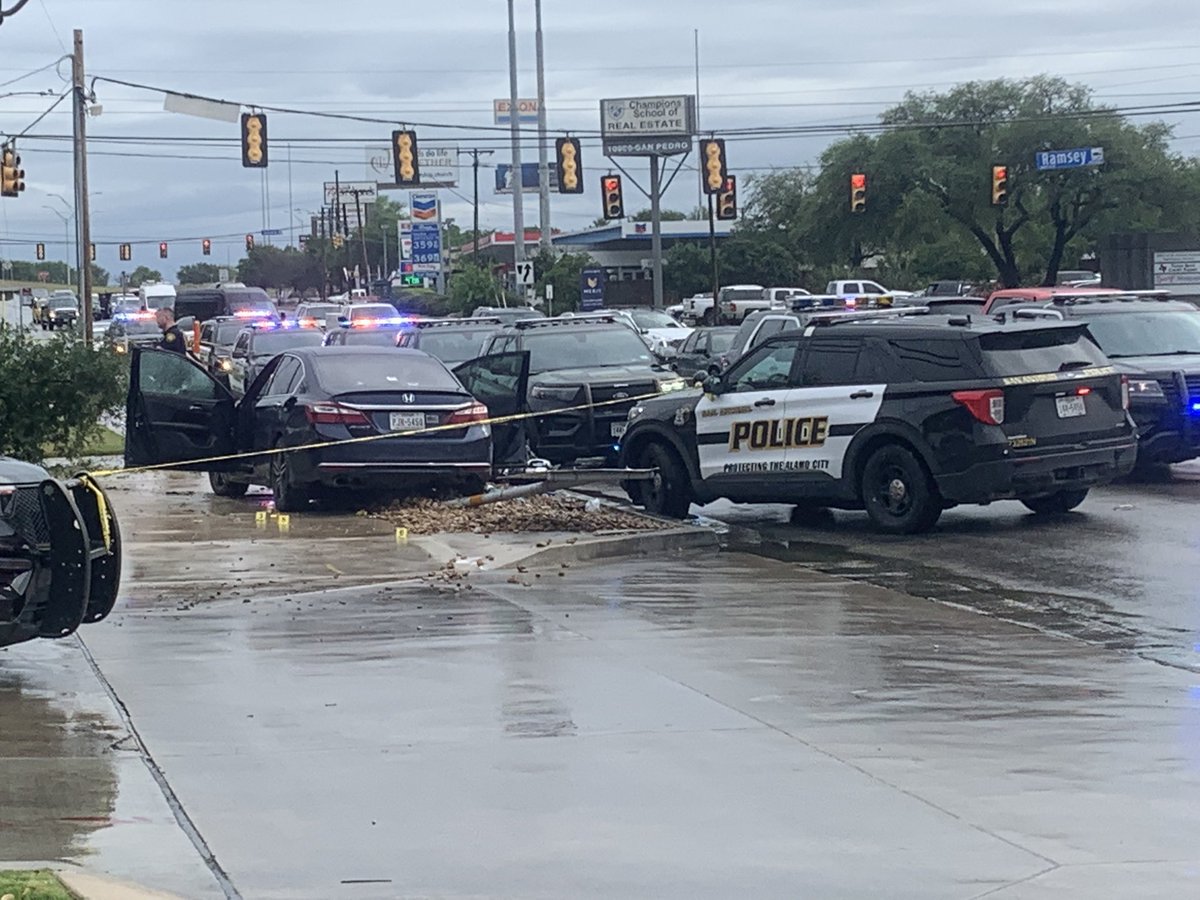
1034, 352
584, 348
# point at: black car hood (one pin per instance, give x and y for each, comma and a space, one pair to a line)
601, 375
665, 405
14, 471
1146, 365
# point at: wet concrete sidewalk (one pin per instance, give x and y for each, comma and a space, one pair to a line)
702, 726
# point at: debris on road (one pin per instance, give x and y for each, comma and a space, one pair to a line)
548, 512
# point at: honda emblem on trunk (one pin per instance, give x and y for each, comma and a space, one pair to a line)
408, 398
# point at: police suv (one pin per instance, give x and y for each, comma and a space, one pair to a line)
903, 415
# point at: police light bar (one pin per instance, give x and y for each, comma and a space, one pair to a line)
252, 314
375, 323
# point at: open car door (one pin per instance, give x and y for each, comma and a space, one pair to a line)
501, 382
176, 412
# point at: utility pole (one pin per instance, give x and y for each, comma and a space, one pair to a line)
656, 230
543, 150
362, 234
712, 255
475, 153
83, 224
515, 130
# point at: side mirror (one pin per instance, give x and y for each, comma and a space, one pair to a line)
714, 384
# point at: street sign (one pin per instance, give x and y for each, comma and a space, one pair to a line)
1177, 269
427, 247
1078, 158
525, 274
591, 289
527, 111
648, 126
530, 178
268, 232
438, 165
222, 274
404, 232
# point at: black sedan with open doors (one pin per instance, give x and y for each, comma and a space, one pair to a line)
60, 553
327, 420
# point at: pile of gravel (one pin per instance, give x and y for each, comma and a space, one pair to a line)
543, 513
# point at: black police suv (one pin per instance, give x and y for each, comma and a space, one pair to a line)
325, 421
60, 553
260, 342
450, 340
1155, 342
584, 376
903, 416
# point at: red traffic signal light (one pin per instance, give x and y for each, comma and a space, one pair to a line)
614, 197
404, 158
713, 167
162, 250
254, 140
727, 208
999, 185
249, 242
858, 193
206, 247
570, 166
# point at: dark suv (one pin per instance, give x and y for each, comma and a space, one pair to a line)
1155, 342
586, 373
452, 341
902, 415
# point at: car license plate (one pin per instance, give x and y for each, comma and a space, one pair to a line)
618, 429
1070, 407
406, 421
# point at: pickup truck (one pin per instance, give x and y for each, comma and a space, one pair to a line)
737, 301
859, 287
697, 308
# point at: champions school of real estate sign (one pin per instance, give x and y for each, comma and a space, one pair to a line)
648, 126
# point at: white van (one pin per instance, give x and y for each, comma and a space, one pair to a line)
157, 296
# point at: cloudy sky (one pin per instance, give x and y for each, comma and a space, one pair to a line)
157, 175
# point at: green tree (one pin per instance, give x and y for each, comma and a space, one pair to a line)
278, 267
54, 392
564, 273
100, 276
143, 275
668, 215
472, 286
198, 273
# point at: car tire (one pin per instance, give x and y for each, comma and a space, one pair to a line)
668, 493
1057, 504
289, 496
898, 493
222, 486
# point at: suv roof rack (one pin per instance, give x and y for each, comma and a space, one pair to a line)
527, 324
1114, 297
446, 323
835, 317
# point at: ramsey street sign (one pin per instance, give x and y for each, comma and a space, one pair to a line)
1078, 158
648, 126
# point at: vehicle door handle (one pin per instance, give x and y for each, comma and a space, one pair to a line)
862, 395
765, 401
195, 407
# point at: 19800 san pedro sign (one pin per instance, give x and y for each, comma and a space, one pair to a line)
648, 126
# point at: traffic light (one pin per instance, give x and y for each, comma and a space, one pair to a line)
614, 197
92, 252
714, 169
254, 140
206, 247
727, 209
338, 241
999, 185
126, 252
858, 193
249, 242
570, 166
12, 176
41, 251
162, 250
404, 158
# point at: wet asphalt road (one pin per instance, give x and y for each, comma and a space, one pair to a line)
980, 712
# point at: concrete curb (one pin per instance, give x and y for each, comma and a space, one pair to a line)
92, 886
642, 543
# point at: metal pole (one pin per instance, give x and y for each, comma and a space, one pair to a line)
82, 206
385, 271
543, 150
656, 230
475, 225
362, 236
699, 186
291, 206
515, 130
712, 256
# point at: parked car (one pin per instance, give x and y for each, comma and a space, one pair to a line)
661, 332
217, 337
259, 343
369, 315
903, 416
697, 308
60, 553
759, 326
1155, 343
366, 334
180, 416
202, 304
506, 314
452, 341
318, 315
735, 302
703, 351
998, 300
861, 287
127, 329
585, 375
62, 311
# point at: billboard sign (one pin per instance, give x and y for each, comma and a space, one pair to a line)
427, 247
438, 162
591, 287
527, 111
1178, 270
648, 126
529, 178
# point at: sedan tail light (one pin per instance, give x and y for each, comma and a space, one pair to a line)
467, 415
986, 406
333, 414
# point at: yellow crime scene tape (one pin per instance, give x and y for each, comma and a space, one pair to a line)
275, 451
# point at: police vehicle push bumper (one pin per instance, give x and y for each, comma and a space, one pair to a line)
60, 553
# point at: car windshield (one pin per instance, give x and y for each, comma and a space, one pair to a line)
344, 374
373, 311
131, 327
370, 337
227, 333
319, 312
585, 348
1147, 334
62, 303
650, 318
721, 341
160, 301
272, 343
454, 345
